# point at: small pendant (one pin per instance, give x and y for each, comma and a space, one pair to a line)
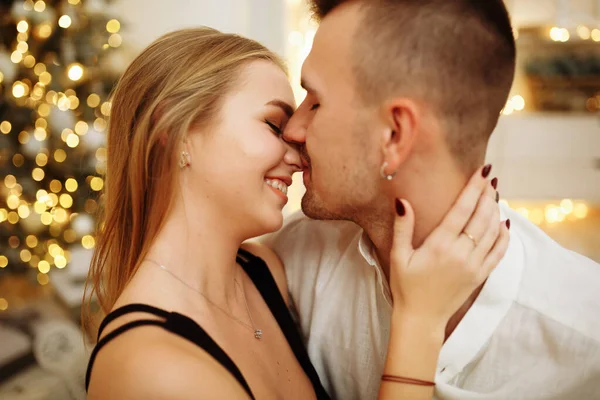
258, 334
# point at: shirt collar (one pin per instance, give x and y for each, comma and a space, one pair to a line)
366, 248
490, 307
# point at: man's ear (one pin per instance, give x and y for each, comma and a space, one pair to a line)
400, 117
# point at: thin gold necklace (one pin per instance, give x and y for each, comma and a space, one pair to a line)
257, 332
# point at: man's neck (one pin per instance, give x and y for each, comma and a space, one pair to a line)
431, 197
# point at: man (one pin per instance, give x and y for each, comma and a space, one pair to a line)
402, 97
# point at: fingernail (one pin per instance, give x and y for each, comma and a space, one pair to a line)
486, 170
400, 210
495, 183
497, 197
508, 224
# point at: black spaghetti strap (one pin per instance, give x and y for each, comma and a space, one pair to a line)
114, 334
130, 308
190, 330
173, 322
261, 276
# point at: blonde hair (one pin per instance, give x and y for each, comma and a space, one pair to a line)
176, 83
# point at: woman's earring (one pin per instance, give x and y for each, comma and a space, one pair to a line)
184, 159
383, 174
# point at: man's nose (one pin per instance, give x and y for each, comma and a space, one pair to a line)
295, 130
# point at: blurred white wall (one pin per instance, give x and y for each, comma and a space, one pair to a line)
267, 20
144, 21
539, 156
551, 12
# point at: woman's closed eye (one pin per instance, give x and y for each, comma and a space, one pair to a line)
274, 128
314, 106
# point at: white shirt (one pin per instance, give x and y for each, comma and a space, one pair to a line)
532, 334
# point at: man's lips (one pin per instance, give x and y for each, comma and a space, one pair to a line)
305, 163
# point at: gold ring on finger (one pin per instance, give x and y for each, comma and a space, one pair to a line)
470, 237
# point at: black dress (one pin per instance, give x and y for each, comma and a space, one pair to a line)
185, 327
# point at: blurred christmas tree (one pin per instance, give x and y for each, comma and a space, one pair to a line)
55, 78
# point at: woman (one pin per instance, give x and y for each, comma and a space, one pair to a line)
196, 166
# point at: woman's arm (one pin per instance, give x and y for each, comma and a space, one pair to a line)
431, 283
413, 352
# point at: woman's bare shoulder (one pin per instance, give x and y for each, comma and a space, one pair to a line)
150, 363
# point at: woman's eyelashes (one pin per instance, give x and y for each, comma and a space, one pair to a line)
274, 128
314, 106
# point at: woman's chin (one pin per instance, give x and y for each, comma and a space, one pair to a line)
272, 221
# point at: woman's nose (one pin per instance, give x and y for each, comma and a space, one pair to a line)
292, 156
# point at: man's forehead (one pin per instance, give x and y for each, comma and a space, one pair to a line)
337, 31
343, 20
331, 46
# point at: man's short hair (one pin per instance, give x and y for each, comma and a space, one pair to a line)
456, 55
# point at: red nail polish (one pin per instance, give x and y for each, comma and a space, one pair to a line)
486, 170
400, 210
495, 183
508, 224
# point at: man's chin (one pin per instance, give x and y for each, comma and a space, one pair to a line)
314, 208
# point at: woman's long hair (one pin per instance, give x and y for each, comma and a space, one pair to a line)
175, 84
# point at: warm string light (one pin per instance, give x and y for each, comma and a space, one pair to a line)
22, 26
39, 68
75, 71
100, 124
515, 103
43, 279
93, 100
53, 206
566, 210
584, 32
43, 30
54, 213
64, 21
115, 40
22, 47
55, 256
113, 26
88, 242
558, 34
39, 6
5, 127
593, 103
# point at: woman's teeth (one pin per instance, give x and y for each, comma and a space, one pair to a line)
277, 184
